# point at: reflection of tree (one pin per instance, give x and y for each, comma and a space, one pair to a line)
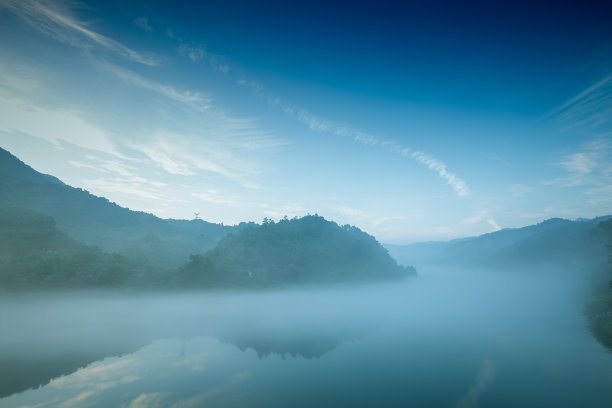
311, 344
295, 347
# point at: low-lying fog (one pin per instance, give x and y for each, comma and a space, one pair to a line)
445, 338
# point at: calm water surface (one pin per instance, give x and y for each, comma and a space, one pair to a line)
444, 339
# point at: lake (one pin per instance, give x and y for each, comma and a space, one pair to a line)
443, 339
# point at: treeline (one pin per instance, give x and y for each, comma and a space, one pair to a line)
97, 221
35, 254
307, 250
599, 310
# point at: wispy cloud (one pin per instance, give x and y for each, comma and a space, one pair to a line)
54, 126
138, 187
482, 216
590, 166
318, 124
194, 53
198, 53
57, 20
589, 107
436, 165
495, 225
582, 163
195, 100
143, 24
181, 156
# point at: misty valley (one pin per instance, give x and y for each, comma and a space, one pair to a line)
305, 204
102, 306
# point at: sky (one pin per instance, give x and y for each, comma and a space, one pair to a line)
414, 122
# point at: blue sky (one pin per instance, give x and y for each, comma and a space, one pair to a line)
414, 122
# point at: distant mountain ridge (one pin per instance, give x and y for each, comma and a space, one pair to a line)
97, 221
555, 242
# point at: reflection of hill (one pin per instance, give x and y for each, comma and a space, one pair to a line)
40, 365
44, 362
47, 336
313, 345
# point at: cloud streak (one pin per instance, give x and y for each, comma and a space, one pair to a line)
54, 18
318, 124
195, 100
436, 165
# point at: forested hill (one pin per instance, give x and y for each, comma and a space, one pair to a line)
34, 254
97, 221
308, 250
555, 242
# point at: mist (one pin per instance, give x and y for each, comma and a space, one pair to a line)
449, 337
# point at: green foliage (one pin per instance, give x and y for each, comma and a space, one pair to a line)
599, 311
35, 254
97, 221
308, 250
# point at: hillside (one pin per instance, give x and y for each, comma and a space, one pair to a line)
552, 243
308, 250
34, 254
97, 221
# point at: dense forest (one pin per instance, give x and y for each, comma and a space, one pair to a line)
35, 254
599, 311
297, 251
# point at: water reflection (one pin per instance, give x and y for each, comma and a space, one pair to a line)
485, 341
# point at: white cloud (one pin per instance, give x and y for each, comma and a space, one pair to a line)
582, 163
590, 166
140, 188
494, 224
320, 125
55, 19
482, 216
53, 126
433, 164
195, 100
182, 156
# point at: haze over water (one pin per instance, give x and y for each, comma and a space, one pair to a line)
447, 338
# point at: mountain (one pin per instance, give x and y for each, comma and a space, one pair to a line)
307, 250
97, 221
553, 243
55, 235
34, 254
